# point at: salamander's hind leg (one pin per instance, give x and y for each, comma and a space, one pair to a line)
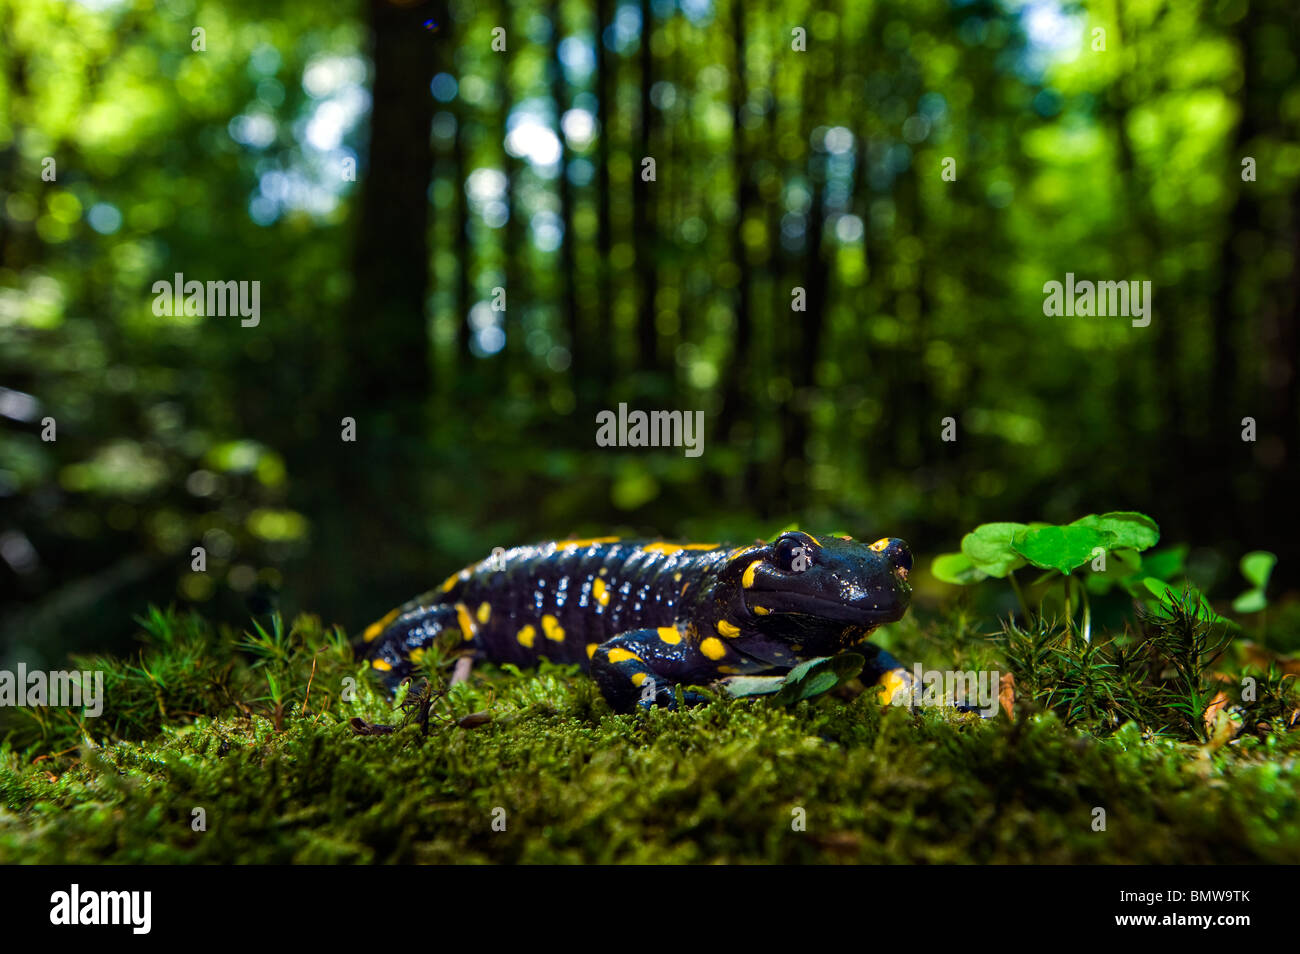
642, 666
397, 642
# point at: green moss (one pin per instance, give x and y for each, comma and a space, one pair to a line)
284, 782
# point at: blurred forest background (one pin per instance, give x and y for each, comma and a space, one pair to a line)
521, 168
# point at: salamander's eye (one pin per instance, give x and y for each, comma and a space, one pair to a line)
794, 552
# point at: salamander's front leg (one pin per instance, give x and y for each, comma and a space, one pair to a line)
641, 667
885, 672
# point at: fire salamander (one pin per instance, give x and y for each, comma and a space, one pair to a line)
645, 617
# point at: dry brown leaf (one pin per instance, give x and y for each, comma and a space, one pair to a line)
1007, 695
1213, 709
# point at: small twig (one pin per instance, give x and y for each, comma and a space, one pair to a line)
54, 755
307, 698
362, 727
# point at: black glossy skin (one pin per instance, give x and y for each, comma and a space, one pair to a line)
645, 616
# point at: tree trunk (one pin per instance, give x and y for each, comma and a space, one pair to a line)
368, 541
578, 341
605, 97
643, 212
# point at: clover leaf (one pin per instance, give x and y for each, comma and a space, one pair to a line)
1060, 548
988, 547
956, 568
1165, 564
1132, 530
1256, 567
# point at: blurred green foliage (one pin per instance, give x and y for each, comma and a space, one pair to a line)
774, 169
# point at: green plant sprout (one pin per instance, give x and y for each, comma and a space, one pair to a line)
1160, 677
1256, 566
1112, 543
805, 681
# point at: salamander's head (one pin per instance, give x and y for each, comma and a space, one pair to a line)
828, 578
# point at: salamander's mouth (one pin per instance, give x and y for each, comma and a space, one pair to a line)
888, 608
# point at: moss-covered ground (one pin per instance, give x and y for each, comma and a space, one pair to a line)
256, 732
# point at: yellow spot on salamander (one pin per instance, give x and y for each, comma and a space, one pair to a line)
383, 665
484, 612
456, 577
466, 621
639, 677
728, 670
665, 547
879, 544
761, 610
591, 649
552, 628
890, 683
526, 636
374, 629
600, 591
677, 577
728, 629
567, 544
669, 635
417, 655
622, 655
713, 648
747, 579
